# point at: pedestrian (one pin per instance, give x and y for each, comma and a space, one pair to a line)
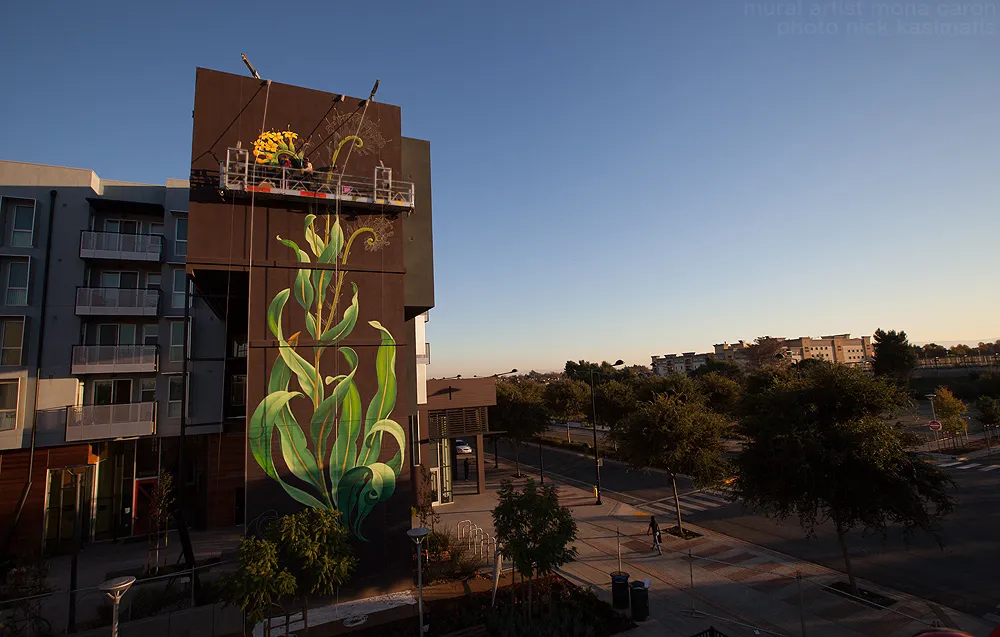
466, 466
654, 528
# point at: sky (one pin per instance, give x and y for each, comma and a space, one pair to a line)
610, 179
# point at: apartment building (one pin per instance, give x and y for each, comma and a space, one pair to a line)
838, 348
92, 390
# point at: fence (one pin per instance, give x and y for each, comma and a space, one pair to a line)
162, 605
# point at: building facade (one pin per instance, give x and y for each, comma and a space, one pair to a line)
92, 390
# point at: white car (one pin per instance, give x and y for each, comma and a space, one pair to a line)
462, 447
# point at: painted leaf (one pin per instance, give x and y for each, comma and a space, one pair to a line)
321, 278
261, 429
344, 453
295, 449
385, 398
324, 417
378, 431
311, 324
360, 490
343, 329
314, 240
309, 379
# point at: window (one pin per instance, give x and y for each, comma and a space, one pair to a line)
152, 280
239, 349
150, 334
238, 390
180, 276
124, 226
22, 231
156, 228
181, 237
175, 397
8, 405
415, 440
11, 340
147, 390
17, 282
114, 334
176, 341
113, 392
123, 280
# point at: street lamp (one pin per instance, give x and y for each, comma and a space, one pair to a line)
418, 535
593, 404
115, 589
496, 439
937, 436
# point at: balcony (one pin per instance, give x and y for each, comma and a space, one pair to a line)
117, 302
99, 422
114, 359
425, 358
121, 247
238, 174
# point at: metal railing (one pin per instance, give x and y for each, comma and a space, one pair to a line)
239, 174
114, 359
8, 419
117, 245
117, 301
94, 422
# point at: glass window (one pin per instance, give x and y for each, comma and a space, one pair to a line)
8, 404
152, 280
17, 282
126, 334
110, 279
176, 341
180, 237
180, 276
175, 397
238, 390
150, 334
22, 230
147, 390
107, 334
129, 280
156, 228
12, 338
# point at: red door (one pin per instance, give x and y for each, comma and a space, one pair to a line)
142, 498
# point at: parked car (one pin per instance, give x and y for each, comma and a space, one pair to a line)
462, 447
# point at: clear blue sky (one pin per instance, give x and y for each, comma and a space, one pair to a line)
611, 179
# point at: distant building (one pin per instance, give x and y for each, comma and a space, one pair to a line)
838, 348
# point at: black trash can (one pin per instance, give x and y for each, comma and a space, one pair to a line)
619, 590
640, 601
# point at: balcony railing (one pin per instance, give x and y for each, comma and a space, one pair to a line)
120, 246
117, 302
238, 173
97, 422
114, 359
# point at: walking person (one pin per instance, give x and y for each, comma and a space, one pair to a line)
466, 466
654, 528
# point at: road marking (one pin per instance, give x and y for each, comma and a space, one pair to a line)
968, 466
713, 501
949, 464
991, 468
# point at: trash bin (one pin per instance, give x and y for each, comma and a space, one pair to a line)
619, 590
640, 601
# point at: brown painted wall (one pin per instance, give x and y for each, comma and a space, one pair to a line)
230, 109
465, 392
14, 472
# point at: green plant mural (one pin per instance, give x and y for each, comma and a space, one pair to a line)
337, 455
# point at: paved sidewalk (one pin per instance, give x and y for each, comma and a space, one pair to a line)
716, 580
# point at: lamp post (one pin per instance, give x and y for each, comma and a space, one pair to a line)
593, 404
496, 439
115, 589
937, 436
418, 535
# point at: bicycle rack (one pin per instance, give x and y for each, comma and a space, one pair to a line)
478, 539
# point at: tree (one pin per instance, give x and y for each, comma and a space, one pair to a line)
533, 530
520, 411
894, 358
567, 399
933, 350
258, 583
728, 369
722, 394
950, 409
821, 446
614, 400
960, 350
679, 436
765, 351
314, 546
160, 507
988, 410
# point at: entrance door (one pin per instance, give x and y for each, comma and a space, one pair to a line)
435, 486
61, 513
142, 500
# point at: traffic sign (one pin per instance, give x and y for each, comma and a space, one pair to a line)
934, 425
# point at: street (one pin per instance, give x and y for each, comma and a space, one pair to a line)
963, 575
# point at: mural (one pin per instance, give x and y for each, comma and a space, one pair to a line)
334, 459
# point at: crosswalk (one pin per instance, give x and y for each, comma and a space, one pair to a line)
692, 502
965, 466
